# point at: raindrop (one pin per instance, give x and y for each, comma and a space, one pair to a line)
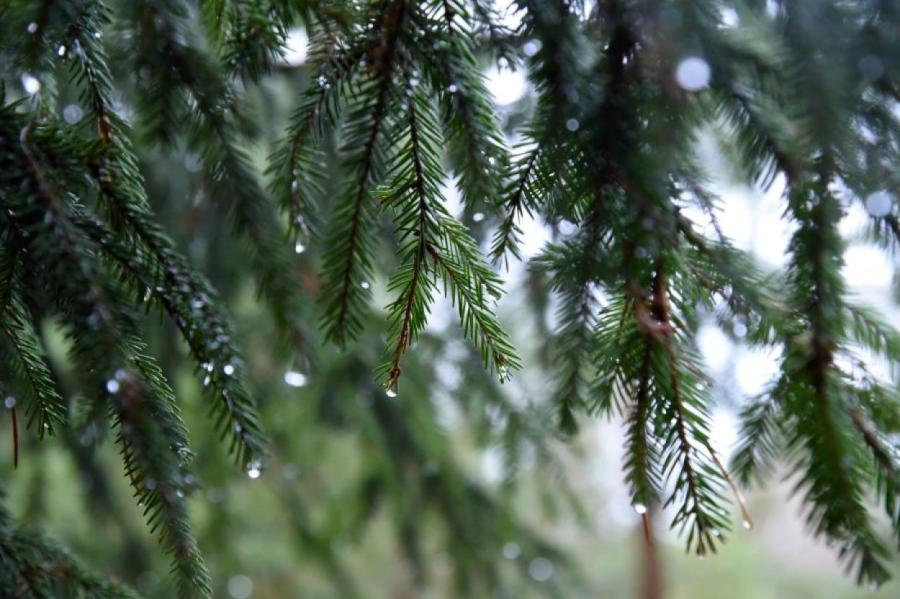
531, 47
365, 285
511, 550
240, 586
572, 125
9, 402
228, 369
740, 329
693, 73
32, 27
452, 88
879, 204
206, 381
322, 81
640, 508
747, 524
871, 67
299, 247
716, 532
193, 162
478, 217
30, 83
254, 469
61, 51
540, 569
112, 386
295, 379
391, 391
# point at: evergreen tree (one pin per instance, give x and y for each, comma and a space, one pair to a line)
799, 91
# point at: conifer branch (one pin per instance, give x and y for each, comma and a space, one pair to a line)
345, 263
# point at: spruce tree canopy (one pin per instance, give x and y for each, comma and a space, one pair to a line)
799, 93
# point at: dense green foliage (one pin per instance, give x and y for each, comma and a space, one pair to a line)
800, 91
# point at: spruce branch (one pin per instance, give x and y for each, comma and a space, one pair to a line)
345, 263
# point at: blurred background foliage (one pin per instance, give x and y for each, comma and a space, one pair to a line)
458, 487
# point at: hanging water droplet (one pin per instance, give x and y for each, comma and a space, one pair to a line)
511, 550
98, 34
61, 51
150, 484
365, 285
30, 83
322, 81
9, 402
531, 47
716, 532
295, 379
299, 247
452, 88
240, 587
209, 367
112, 386
572, 125
32, 27
879, 204
478, 217
540, 569
640, 508
747, 524
228, 369
871, 67
254, 469
693, 73
207, 380
193, 162
391, 391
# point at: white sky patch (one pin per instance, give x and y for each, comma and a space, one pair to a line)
452, 198
441, 316
715, 346
295, 47
492, 465
509, 15
867, 267
723, 431
754, 369
506, 86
